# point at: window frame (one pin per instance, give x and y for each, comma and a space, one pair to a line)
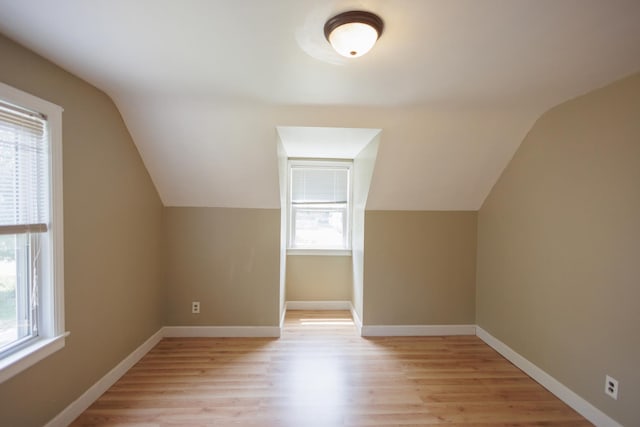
51, 328
319, 163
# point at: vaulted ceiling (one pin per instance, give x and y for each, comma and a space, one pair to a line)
453, 84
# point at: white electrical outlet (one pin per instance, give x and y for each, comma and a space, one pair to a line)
611, 387
195, 307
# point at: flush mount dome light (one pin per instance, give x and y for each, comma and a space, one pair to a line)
352, 34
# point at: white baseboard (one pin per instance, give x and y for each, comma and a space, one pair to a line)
318, 305
221, 331
561, 391
79, 405
416, 330
356, 319
580, 405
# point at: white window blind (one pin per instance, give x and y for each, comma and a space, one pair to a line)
319, 212
319, 185
24, 171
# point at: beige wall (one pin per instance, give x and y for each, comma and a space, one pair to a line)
419, 267
559, 248
112, 229
318, 278
228, 259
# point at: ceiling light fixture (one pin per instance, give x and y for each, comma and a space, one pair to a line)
353, 33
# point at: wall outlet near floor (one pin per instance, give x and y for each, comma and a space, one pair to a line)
611, 387
195, 307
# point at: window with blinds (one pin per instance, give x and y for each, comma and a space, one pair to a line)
31, 247
24, 171
319, 201
24, 216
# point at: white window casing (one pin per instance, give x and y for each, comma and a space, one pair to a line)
31, 210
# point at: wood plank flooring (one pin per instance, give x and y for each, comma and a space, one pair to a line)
320, 373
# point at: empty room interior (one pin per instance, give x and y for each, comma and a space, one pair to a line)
319, 213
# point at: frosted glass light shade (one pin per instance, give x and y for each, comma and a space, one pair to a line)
354, 39
353, 33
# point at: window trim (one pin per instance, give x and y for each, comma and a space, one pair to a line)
348, 163
51, 334
319, 252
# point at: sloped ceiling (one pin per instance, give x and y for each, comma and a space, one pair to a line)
453, 84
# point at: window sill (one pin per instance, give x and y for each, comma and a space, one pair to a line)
322, 252
29, 356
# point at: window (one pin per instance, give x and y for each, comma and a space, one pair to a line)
320, 205
31, 288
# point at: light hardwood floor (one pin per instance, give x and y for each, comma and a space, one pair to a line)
320, 373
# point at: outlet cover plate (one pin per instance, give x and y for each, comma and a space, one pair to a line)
611, 387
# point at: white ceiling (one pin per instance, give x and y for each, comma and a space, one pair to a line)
325, 142
453, 84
